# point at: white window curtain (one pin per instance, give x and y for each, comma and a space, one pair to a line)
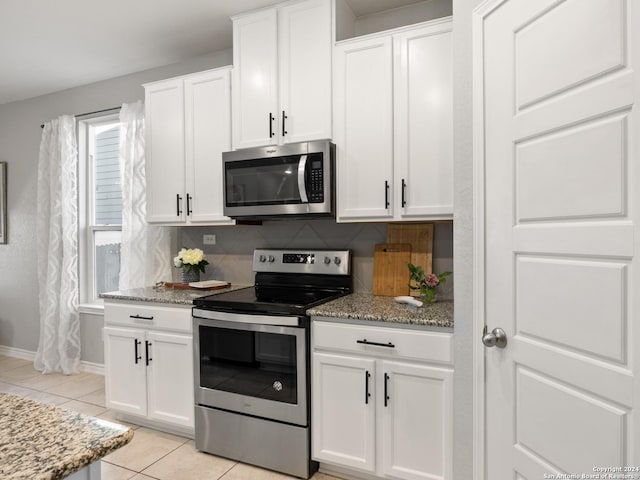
57, 248
144, 249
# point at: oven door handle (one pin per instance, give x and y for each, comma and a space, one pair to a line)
245, 318
302, 170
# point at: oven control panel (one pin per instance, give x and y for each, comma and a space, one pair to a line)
330, 262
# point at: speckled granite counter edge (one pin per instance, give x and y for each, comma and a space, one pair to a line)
166, 295
367, 307
46, 442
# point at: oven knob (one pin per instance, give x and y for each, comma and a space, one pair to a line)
327, 260
277, 386
262, 258
272, 259
337, 260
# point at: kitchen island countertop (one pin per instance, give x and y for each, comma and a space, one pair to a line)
375, 308
43, 442
166, 294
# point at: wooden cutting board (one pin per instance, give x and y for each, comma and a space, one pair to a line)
390, 272
419, 236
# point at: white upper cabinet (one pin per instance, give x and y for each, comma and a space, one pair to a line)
188, 126
255, 79
393, 125
364, 128
423, 121
207, 109
164, 150
282, 74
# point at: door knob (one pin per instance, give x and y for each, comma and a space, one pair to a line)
497, 338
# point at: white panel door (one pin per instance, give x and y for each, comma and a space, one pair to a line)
125, 370
363, 129
557, 181
423, 122
208, 134
170, 378
164, 151
417, 421
304, 52
255, 79
343, 415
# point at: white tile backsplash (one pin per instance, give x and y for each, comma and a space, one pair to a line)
230, 259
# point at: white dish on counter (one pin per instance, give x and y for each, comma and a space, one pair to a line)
409, 300
209, 284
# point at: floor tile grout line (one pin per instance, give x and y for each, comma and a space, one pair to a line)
55, 394
168, 453
230, 468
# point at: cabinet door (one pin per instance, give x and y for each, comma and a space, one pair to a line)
343, 419
255, 87
417, 421
170, 378
207, 135
423, 107
164, 151
363, 129
125, 371
304, 53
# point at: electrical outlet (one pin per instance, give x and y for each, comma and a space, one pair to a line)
209, 239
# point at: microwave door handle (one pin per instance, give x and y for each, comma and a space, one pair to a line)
302, 168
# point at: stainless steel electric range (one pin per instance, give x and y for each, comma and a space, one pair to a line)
252, 359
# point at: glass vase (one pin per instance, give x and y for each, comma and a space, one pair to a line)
428, 296
190, 275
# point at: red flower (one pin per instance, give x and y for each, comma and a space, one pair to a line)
432, 280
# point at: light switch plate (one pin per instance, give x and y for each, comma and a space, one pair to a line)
208, 239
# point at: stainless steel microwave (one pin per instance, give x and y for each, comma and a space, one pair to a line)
282, 181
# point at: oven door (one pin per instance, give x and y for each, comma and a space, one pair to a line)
253, 369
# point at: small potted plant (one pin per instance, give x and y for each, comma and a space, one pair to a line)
192, 261
426, 283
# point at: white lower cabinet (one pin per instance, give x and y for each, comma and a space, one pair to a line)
149, 363
382, 409
343, 419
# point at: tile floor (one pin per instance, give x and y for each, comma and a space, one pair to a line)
150, 455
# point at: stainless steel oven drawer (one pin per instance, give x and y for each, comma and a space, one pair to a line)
277, 446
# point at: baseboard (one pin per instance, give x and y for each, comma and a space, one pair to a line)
345, 473
17, 353
89, 367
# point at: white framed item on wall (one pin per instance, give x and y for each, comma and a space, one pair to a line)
3, 202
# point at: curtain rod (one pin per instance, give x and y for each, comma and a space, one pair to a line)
91, 113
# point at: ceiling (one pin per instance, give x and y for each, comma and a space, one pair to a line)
47, 46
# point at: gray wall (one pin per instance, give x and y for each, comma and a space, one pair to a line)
19, 146
463, 239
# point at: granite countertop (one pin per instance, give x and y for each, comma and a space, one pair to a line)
166, 294
43, 442
366, 306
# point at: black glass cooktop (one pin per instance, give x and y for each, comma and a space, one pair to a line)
269, 300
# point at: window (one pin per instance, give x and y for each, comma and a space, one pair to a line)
100, 206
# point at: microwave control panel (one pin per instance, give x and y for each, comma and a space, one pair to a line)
315, 185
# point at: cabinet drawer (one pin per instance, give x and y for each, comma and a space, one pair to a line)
395, 342
141, 316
